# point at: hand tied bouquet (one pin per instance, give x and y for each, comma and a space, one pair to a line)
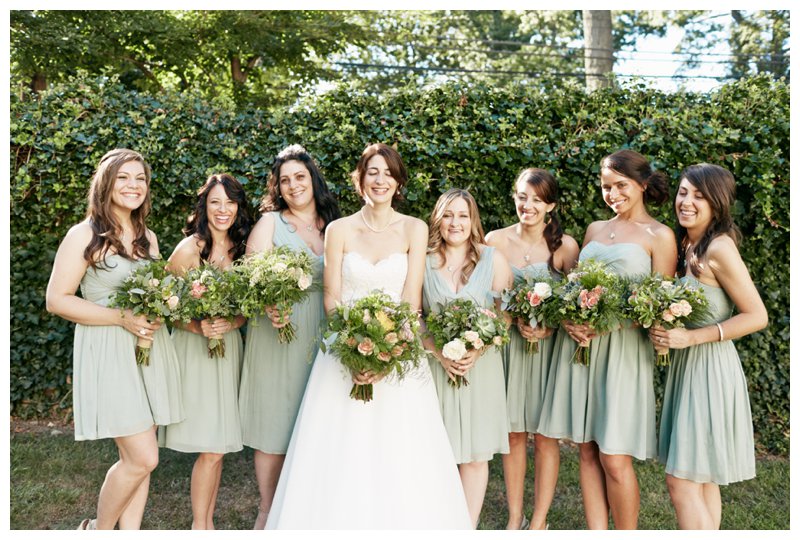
461, 325
213, 293
589, 295
374, 334
151, 291
526, 300
658, 301
279, 277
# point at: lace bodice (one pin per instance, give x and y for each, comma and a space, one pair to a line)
360, 277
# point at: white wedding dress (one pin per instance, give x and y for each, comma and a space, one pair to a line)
385, 464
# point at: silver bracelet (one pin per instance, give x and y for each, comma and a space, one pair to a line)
721, 333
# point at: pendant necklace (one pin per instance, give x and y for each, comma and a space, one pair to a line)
308, 227
370, 227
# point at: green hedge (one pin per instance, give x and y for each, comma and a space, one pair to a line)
467, 136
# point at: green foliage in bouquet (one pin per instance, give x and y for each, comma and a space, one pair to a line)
213, 293
374, 334
461, 325
526, 299
590, 295
279, 277
656, 300
151, 291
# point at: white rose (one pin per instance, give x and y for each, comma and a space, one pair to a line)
543, 290
471, 335
279, 267
304, 282
454, 350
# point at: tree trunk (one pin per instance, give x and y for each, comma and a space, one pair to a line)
38, 82
598, 56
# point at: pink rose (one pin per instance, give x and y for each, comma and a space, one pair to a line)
173, 301
391, 338
686, 307
397, 350
478, 344
384, 356
489, 313
676, 309
592, 301
366, 347
668, 316
351, 341
471, 335
198, 288
534, 299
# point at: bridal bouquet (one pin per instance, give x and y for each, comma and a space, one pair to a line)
213, 293
279, 277
590, 295
375, 334
665, 302
151, 291
527, 300
462, 325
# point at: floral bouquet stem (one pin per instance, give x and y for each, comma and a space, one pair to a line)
662, 356
581, 356
533, 346
216, 346
362, 392
458, 381
286, 334
143, 351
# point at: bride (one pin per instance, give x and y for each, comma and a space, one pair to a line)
385, 464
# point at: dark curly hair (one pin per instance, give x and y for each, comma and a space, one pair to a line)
197, 223
546, 188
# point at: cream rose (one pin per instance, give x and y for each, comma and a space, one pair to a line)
454, 350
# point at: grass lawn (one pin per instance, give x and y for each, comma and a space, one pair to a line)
55, 482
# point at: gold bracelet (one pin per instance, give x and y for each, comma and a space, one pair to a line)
721, 333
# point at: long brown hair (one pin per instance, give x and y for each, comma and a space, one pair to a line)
635, 166
718, 188
546, 187
197, 223
436, 243
106, 230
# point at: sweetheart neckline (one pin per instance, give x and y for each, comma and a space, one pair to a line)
379, 261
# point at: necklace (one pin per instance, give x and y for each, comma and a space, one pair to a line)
527, 256
370, 227
309, 227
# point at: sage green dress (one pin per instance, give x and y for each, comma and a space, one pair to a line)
275, 374
475, 415
526, 373
210, 396
706, 430
112, 395
611, 401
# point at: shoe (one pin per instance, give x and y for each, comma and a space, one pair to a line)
523, 526
88, 525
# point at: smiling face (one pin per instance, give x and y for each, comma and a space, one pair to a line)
620, 193
294, 183
378, 184
692, 208
220, 209
456, 224
130, 187
531, 209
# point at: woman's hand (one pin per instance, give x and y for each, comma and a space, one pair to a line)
461, 366
528, 333
215, 327
367, 377
139, 326
279, 320
677, 338
581, 333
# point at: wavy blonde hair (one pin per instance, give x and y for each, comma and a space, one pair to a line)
436, 243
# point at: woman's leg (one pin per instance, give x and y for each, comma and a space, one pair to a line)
138, 457
593, 487
547, 458
514, 468
690, 504
205, 475
474, 478
268, 471
622, 490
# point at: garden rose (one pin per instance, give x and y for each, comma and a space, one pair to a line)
543, 290
471, 335
384, 356
198, 288
477, 344
668, 316
497, 340
366, 347
454, 350
173, 301
391, 338
397, 350
304, 282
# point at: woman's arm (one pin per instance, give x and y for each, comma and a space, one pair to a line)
417, 232
664, 258
332, 271
260, 238
69, 268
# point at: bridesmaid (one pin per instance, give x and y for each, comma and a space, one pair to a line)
706, 436
534, 246
297, 209
215, 234
113, 397
608, 407
460, 265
